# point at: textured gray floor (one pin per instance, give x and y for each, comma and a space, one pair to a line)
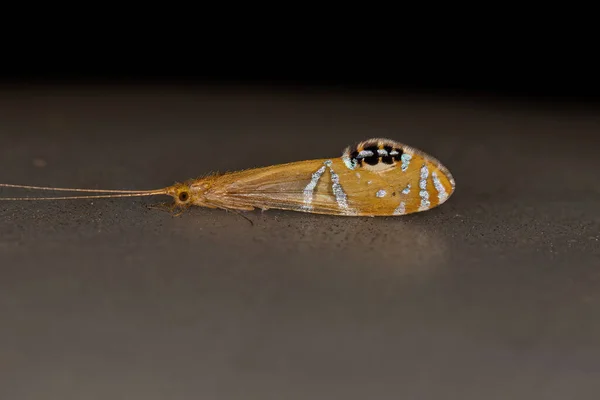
494, 295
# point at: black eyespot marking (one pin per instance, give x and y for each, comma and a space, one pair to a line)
373, 160
184, 196
398, 156
373, 152
354, 157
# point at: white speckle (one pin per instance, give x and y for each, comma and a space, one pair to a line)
405, 161
401, 209
406, 190
380, 193
424, 172
350, 164
442, 194
393, 153
308, 190
340, 196
425, 204
369, 182
358, 175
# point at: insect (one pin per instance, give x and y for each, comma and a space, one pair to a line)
376, 177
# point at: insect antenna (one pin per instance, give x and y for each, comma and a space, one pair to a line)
106, 196
113, 193
56, 189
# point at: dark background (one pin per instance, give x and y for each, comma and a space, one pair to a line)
494, 295
528, 80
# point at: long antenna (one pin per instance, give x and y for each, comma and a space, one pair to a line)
108, 196
7, 185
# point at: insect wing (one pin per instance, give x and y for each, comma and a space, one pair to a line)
286, 186
377, 177
399, 179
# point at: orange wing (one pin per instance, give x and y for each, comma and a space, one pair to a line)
377, 177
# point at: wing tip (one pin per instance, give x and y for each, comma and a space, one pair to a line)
381, 141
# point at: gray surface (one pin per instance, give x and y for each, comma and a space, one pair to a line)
494, 295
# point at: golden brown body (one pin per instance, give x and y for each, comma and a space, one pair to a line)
352, 185
377, 177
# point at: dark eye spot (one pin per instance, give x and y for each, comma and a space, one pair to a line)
354, 157
373, 160
387, 159
398, 156
184, 196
